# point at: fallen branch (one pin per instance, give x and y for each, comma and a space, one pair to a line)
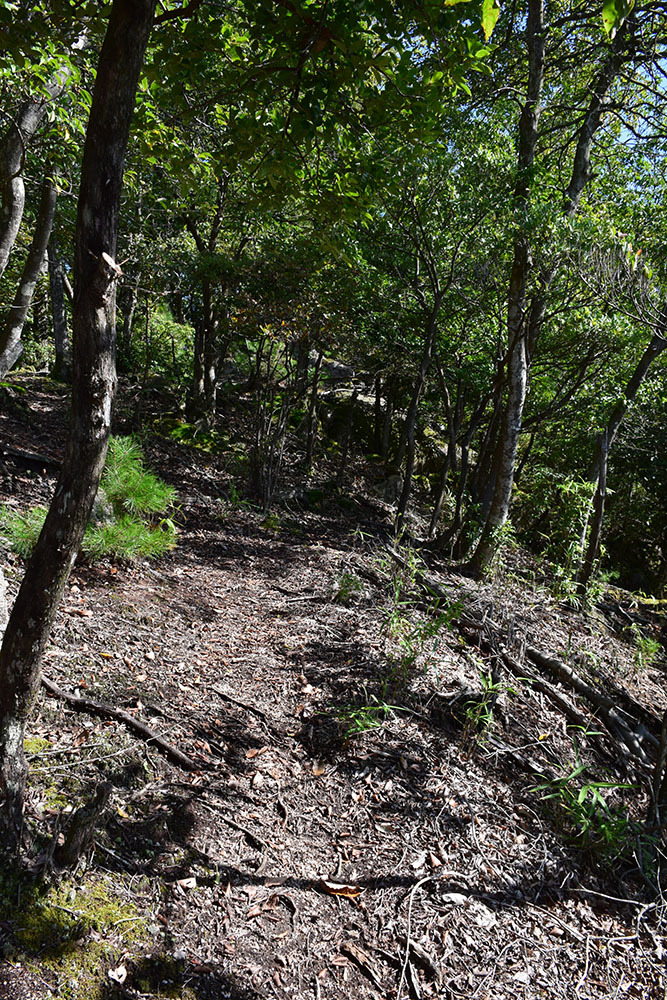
633, 734
31, 459
107, 711
239, 704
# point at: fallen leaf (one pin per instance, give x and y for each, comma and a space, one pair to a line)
187, 883
339, 888
362, 960
118, 975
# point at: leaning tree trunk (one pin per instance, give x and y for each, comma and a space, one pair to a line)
11, 346
525, 326
93, 387
598, 470
13, 145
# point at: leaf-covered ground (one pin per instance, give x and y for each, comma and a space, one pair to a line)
364, 817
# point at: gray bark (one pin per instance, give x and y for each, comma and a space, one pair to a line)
13, 146
517, 357
410, 428
11, 347
598, 469
93, 388
525, 321
62, 368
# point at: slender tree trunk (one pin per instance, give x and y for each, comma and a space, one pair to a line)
62, 368
606, 438
525, 323
388, 420
590, 558
410, 429
517, 357
377, 416
312, 412
93, 388
11, 347
340, 475
128, 304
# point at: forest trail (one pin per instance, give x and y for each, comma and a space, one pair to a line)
358, 823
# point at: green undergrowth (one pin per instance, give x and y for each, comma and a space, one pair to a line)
129, 519
71, 930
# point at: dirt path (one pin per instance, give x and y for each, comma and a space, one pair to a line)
346, 834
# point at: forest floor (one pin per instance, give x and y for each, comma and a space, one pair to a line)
364, 817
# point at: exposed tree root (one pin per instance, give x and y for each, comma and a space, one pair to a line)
171, 752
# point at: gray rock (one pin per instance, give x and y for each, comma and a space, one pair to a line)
102, 512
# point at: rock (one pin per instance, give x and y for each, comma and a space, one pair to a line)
102, 512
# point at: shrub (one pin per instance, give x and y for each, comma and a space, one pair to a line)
133, 495
129, 487
128, 538
21, 528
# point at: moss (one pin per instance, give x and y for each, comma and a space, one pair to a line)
72, 931
35, 745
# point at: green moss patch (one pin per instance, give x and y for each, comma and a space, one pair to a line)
71, 931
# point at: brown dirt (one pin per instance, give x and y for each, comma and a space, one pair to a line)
346, 833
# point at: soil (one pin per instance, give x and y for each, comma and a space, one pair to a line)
364, 817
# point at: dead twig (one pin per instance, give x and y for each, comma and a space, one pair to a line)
108, 711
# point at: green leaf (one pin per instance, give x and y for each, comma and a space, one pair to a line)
614, 13
490, 14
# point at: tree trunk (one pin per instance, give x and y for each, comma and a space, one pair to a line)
11, 347
13, 146
387, 423
410, 428
590, 558
128, 304
312, 412
517, 357
62, 368
525, 324
346, 440
93, 387
606, 438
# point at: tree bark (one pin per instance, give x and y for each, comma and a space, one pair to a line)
93, 388
598, 468
13, 147
11, 346
593, 549
312, 412
525, 321
62, 368
410, 427
517, 356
